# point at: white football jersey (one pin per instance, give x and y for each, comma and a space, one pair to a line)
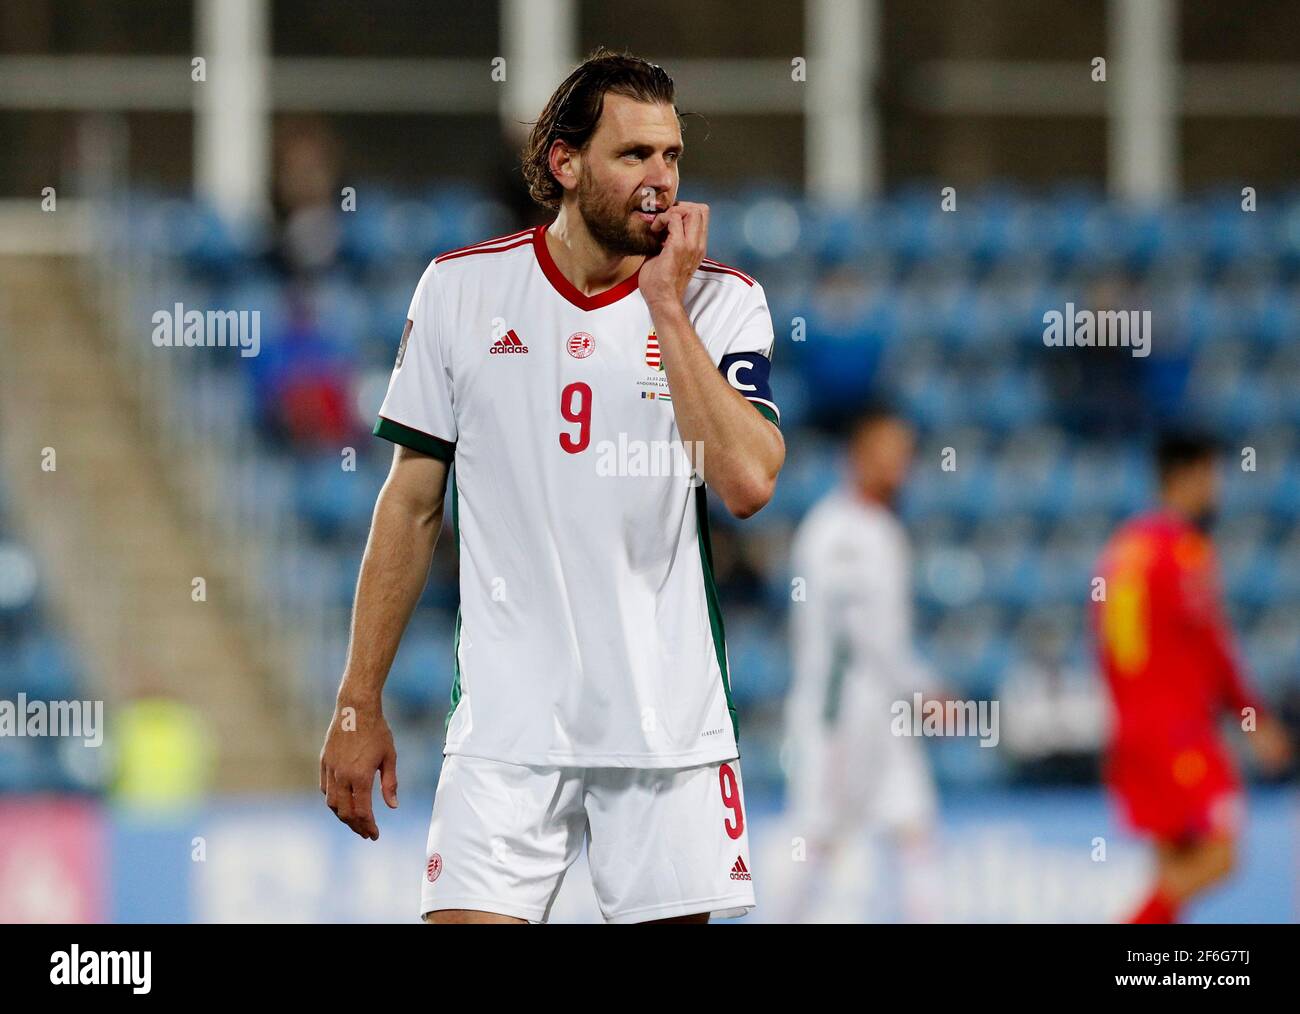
851, 635
589, 632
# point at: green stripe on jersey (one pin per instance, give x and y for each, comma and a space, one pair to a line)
425, 443
455, 650
835, 682
711, 595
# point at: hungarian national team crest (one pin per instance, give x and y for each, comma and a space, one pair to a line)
652, 359
581, 345
434, 868
401, 349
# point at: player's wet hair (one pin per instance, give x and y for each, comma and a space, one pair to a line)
1177, 449
573, 112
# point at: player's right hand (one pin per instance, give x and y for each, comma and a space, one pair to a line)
358, 744
1271, 746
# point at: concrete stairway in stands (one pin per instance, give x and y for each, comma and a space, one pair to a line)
118, 552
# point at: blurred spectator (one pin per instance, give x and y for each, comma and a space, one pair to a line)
1101, 389
302, 383
307, 202
164, 754
1055, 714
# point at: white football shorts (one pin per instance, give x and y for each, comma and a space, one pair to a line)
661, 842
857, 775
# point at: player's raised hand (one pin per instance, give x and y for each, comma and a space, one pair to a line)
685, 227
358, 744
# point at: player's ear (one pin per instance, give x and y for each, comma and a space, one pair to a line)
565, 164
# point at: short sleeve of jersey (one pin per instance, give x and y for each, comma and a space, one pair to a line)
747, 356
419, 409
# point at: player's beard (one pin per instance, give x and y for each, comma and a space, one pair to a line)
612, 225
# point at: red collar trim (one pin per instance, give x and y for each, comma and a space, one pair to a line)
570, 291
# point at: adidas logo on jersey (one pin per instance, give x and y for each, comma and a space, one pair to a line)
507, 345
740, 871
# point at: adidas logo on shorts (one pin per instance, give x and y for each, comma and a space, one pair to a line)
740, 871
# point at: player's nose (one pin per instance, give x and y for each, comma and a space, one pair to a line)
659, 175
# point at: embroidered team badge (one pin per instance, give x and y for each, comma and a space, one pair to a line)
581, 345
434, 869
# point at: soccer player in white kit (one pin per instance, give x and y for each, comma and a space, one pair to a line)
851, 637
577, 375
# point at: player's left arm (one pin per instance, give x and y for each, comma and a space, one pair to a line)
735, 448
1198, 596
1267, 736
1199, 590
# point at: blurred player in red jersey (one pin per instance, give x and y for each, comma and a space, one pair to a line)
1167, 654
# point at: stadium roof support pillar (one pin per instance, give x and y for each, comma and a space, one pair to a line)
1143, 103
540, 42
232, 120
841, 122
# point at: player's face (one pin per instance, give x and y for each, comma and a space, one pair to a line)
630, 165
1203, 479
1193, 490
884, 457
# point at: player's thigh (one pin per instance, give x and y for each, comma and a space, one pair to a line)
817, 809
500, 839
1180, 795
462, 916
667, 844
